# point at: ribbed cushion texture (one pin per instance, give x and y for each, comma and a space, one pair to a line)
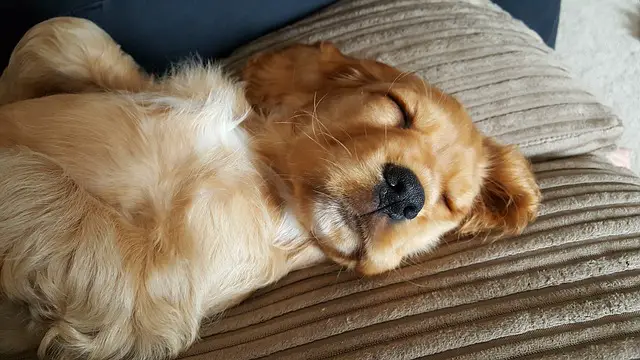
568, 288
507, 78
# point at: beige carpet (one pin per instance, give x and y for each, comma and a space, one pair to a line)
599, 41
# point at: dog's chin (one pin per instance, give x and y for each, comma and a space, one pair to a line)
347, 236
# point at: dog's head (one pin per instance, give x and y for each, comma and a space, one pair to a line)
380, 163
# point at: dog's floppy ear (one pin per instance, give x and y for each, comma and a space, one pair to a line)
509, 195
294, 75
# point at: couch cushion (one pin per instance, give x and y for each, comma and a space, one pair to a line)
508, 79
568, 288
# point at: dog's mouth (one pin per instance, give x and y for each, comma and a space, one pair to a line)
347, 225
343, 230
359, 221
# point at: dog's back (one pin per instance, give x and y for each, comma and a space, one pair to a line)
126, 218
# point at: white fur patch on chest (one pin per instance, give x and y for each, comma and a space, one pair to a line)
290, 232
218, 125
207, 126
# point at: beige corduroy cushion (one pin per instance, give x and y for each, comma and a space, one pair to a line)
569, 288
501, 70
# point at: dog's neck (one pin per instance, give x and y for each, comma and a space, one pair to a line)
291, 235
279, 193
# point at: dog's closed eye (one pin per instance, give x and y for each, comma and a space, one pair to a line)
407, 119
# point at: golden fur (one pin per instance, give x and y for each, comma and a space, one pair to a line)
133, 207
341, 124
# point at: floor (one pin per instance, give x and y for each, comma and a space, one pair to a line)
600, 41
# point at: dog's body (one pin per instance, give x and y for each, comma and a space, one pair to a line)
132, 208
138, 216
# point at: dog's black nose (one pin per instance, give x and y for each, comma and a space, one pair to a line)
401, 194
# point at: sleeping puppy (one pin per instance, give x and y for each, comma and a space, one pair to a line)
133, 207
